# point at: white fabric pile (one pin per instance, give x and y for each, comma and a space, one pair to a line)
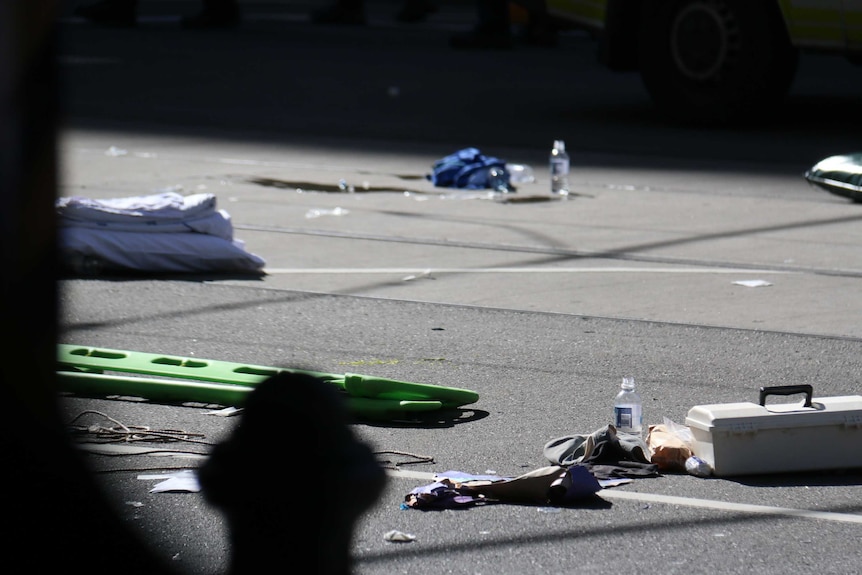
164, 232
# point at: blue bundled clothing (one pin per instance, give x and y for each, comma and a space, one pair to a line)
469, 169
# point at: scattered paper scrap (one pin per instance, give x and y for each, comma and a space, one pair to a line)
182, 481
115, 151
317, 212
411, 277
753, 283
226, 412
398, 537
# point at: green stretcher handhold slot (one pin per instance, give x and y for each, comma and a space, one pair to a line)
105, 359
81, 359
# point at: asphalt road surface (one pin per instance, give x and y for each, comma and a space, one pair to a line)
540, 305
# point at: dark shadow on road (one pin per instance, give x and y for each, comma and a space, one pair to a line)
392, 87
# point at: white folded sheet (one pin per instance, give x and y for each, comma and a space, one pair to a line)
163, 232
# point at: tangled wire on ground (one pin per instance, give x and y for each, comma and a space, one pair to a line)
121, 432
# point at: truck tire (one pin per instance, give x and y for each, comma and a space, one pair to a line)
714, 62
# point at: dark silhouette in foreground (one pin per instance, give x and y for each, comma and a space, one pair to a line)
293, 444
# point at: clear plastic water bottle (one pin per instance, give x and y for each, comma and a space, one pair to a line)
491, 178
520, 173
628, 410
559, 169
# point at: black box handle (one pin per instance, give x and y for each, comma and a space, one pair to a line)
787, 390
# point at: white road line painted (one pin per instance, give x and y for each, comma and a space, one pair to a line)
688, 502
517, 270
727, 506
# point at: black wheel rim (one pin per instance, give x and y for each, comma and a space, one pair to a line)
704, 41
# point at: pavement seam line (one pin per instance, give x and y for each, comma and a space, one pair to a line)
529, 270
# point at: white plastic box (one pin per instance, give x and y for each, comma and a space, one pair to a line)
750, 438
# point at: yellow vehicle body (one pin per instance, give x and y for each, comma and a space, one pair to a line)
714, 61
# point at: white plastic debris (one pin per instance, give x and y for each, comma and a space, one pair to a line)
411, 277
317, 212
398, 537
698, 467
226, 412
182, 481
753, 283
115, 151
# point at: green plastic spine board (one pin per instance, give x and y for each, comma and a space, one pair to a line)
100, 360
